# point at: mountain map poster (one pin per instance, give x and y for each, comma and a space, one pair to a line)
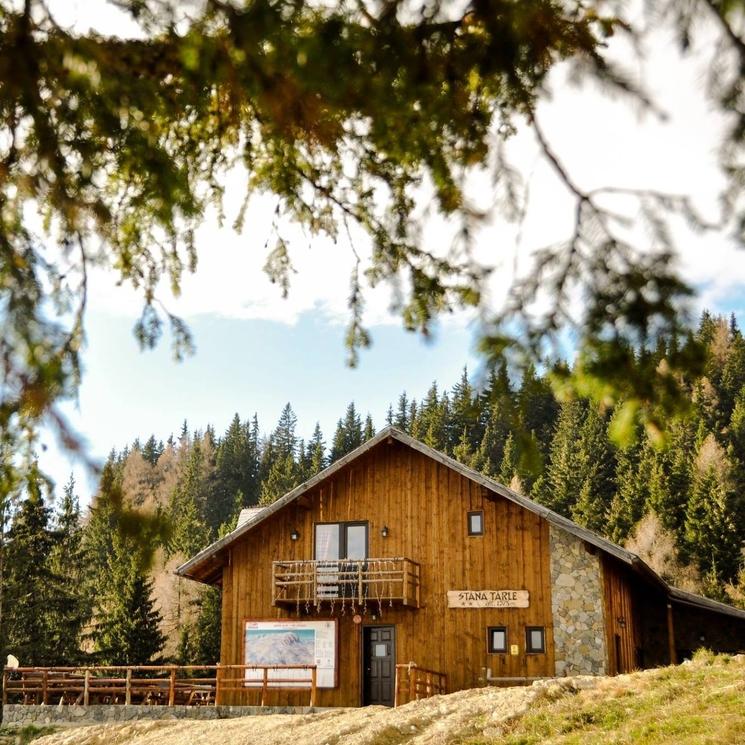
291, 642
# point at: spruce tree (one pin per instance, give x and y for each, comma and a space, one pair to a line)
27, 583
401, 417
348, 435
563, 478
128, 629
432, 425
316, 452
284, 475
710, 527
464, 418
596, 464
68, 563
510, 457
369, 431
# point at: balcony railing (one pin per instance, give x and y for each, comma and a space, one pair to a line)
373, 583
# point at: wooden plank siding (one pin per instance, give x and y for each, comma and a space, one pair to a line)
424, 504
621, 619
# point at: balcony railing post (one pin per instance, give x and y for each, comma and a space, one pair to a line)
359, 582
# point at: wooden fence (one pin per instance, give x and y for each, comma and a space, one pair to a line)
156, 685
414, 682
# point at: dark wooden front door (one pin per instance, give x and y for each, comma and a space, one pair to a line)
379, 665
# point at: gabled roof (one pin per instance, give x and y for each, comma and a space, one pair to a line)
196, 566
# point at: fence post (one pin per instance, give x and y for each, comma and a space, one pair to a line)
313, 686
172, 687
128, 688
44, 686
86, 687
412, 682
396, 684
264, 685
217, 684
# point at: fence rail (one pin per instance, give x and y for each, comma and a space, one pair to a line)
367, 582
156, 685
414, 683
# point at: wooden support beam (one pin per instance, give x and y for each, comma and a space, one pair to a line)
671, 635
128, 688
313, 672
172, 687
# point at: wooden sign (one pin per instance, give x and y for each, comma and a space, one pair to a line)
488, 599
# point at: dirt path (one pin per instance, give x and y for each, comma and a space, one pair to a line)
432, 721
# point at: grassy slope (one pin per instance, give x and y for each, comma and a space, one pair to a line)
701, 702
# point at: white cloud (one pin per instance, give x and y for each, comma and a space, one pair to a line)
602, 142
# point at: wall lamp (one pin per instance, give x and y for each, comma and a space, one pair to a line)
384, 531
294, 535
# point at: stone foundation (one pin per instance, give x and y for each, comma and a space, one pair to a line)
577, 606
19, 715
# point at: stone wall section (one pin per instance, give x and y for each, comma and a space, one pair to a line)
20, 715
577, 606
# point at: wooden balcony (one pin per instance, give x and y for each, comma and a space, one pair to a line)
369, 583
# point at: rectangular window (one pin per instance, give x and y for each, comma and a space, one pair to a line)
497, 639
476, 523
535, 639
341, 541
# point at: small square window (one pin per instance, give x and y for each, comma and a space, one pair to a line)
476, 523
535, 639
497, 639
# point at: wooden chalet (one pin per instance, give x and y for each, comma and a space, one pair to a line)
399, 572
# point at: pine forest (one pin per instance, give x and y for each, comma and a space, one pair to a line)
77, 585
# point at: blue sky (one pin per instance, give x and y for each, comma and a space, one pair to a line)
245, 366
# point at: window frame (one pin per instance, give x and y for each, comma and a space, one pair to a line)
490, 639
469, 514
529, 649
342, 526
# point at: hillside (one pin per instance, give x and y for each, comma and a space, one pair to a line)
698, 702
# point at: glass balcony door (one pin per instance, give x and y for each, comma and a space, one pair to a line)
337, 547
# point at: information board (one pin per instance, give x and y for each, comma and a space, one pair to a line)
291, 642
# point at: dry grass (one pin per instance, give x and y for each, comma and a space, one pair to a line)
701, 702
